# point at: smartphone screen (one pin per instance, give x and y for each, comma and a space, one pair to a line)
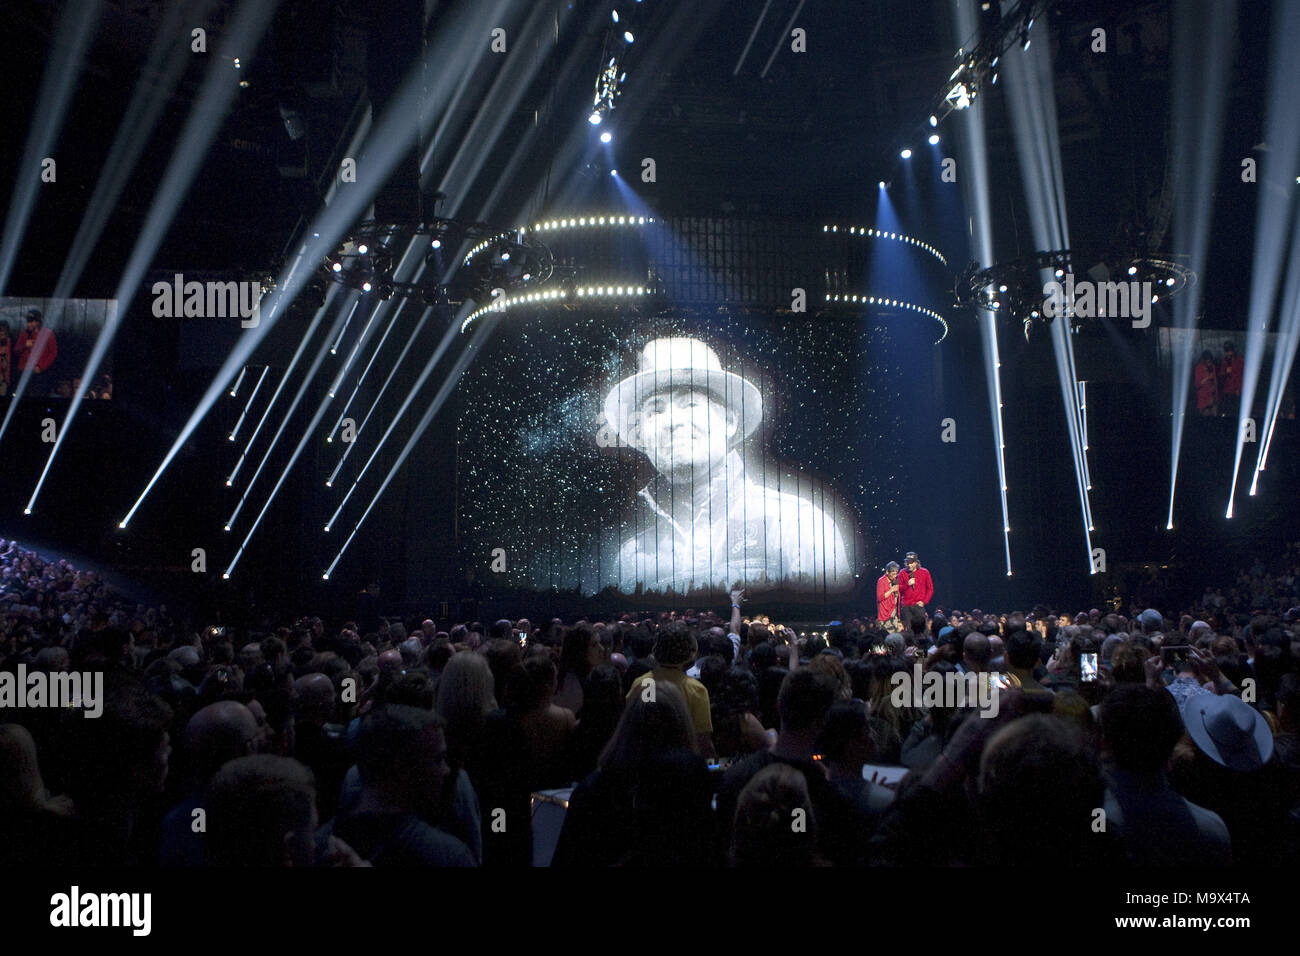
1088, 666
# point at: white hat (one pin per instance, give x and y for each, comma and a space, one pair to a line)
675, 362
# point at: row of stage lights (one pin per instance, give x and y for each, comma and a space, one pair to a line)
505, 302
896, 303
552, 224
583, 221
882, 234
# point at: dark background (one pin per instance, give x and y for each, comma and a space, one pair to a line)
808, 141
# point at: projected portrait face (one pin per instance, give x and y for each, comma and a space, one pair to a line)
685, 429
703, 522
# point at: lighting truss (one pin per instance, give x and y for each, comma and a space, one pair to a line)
977, 68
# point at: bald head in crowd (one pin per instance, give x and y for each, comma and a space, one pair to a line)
976, 651
218, 733
315, 698
52, 660
390, 664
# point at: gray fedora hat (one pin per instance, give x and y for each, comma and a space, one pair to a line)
674, 363
1228, 730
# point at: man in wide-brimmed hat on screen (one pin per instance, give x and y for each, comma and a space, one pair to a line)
704, 523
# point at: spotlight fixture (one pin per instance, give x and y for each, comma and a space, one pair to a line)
906, 153
881, 184
614, 14
934, 121
627, 35
613, 172
363, 249
437, 243
934, 139
606, 136
595, 118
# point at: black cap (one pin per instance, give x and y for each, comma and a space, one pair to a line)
911, 556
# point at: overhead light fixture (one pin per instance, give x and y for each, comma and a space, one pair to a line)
595, 118
934, 139
934, 121
627, 35
906, 153
606, 136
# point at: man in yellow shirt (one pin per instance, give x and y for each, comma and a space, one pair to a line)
675, 649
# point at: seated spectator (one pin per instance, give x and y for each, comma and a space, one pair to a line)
118, 772
1047, 757
847, 744
35, 822
579, 654
547, 728
217, 734
402, 759
261, 811
1140, 727
775, 825
648, 801
603, 697
1225, 764
805, 703
318, 742
675, 648
1023, 650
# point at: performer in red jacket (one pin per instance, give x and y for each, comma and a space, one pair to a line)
36, 349
915, 589
887, 615
1231, 370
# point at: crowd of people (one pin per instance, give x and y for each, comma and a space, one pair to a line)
682, 738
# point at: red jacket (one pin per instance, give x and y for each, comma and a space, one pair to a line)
1206, 380
885, 602
921, 593
29, 345
1230, 373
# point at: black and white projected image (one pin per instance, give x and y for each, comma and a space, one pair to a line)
706, 521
